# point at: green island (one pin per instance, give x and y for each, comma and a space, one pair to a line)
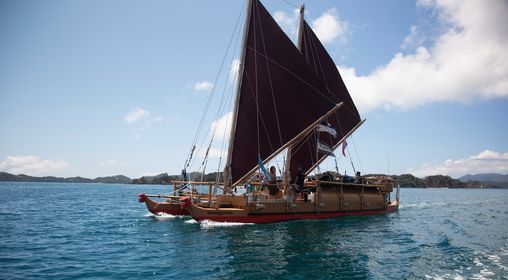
489, 180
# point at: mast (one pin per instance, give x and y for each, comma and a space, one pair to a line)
345, 120
300, 27
273, 70
241, 66
287, 165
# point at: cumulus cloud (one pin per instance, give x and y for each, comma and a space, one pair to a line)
220, 130
32, 165
212, 153
203, 86
328, 27
414, 40
485, 162
234, 68
288, 23
136, 115
467, 61
222, 126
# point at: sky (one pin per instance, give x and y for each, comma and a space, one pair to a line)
97, 88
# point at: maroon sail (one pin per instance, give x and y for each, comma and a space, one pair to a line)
279, 95
343, 120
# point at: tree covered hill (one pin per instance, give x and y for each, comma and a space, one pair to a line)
404, 180
116, 179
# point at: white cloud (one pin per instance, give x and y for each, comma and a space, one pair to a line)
203, 86
136, 115
288, 23
212, 153
328, 27
467, 61
222, 126
32, 165
485, 162
233, 70
414, 40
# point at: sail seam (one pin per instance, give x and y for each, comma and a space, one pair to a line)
200, 125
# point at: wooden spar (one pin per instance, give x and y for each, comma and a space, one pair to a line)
239, 77
291, 142
192, 182
287, 165
335, 147
163, 196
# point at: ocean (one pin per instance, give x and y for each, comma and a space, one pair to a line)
99, 231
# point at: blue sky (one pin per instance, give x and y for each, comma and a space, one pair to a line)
95, 88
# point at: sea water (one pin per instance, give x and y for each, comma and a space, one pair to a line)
98, 231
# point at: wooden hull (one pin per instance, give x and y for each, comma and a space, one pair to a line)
332, 202
275, 218
166, 207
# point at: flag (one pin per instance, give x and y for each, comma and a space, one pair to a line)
344, 145
265, 172
324, 148
327, 127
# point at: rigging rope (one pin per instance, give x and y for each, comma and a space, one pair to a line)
356, 152
298, 77
295, 6
207, 106
313, 50
271, 83
351, 160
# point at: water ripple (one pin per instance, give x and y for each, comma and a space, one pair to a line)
101, 232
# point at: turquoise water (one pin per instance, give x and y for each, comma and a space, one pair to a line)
95, 231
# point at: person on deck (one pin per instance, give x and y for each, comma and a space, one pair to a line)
300, 180
359, 179
272, 184
297, 187
273, 174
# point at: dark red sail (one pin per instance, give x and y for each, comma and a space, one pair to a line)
279, 95
343, 120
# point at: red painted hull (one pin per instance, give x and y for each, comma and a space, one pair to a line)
275, 218
175, 212
165, 207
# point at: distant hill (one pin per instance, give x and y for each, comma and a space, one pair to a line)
440, 181
117, 179
165, 179
161, 179
495, 179
490, 180
486, 177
